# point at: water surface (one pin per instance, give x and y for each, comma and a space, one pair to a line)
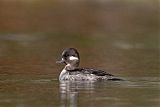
29, 74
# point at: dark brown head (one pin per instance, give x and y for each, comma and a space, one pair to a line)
70, 57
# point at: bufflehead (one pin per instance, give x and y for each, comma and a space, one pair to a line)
70, 57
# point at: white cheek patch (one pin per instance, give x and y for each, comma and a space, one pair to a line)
73, 58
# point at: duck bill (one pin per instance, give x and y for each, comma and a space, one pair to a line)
60, 62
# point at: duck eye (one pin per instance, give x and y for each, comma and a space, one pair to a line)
65, 55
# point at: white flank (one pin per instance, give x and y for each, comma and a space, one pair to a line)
73, 58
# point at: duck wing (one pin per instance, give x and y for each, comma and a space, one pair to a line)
90, 71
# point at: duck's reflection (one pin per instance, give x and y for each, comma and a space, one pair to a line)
69, 92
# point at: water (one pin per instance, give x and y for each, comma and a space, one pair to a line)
128, 93
29, 74
142, 92
121, 38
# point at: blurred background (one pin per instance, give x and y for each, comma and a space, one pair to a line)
119, 36
122, 34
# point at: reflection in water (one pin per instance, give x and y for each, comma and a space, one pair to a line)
69, 92
110, 93
68, 97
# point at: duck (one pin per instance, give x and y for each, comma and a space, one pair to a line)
72, 72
